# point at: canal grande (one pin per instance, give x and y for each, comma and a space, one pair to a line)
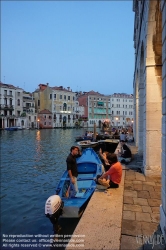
32, 162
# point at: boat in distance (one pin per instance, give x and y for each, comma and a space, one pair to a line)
87, 144
13, 128
89, 166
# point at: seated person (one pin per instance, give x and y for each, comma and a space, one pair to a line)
122, 136
125, 155
129, 137
111, 178
104, 159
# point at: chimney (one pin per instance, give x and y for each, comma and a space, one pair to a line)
68, 88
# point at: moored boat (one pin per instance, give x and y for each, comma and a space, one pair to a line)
83, 138
87, 144
89, 166
12, 129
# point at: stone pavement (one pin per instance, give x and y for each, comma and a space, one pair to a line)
141, 216
126, 218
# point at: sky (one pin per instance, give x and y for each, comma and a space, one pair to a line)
84, 45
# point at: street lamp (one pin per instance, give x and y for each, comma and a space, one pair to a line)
116, 121
38, 120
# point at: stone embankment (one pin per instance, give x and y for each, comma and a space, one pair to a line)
126, 218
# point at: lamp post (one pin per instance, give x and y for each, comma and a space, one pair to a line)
132, 123
116, 121
38, 123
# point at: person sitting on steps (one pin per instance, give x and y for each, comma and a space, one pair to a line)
125, 155
111, 178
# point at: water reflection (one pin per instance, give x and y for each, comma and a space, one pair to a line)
32, 162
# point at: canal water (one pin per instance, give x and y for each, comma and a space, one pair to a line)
32, 162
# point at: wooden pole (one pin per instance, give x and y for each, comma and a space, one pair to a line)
94, 132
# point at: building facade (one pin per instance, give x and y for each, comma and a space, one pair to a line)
97, 108
150, 90
45, 119
59, 101
17, 107
7, 105
122, 110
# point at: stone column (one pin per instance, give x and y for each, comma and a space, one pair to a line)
153, 124
141, 118
163, 154
136, 104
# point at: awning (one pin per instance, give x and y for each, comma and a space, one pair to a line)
100, 103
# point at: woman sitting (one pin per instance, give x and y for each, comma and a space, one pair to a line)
111, 178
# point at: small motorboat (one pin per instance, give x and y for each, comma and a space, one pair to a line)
109, 145
87, 144
83, 138
89, 166
12, 129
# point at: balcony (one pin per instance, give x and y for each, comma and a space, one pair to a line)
6, 107
10, 95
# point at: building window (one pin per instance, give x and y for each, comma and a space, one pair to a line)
54, 96
64, 107
18, 102
68, 98
38, 102
50, 96
18, 93
64, 97
45, 123
60, 96
5, 101
10, 92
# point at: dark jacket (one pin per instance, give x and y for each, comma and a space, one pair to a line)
72, 165
127, 152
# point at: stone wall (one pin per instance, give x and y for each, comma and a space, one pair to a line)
150, 90
163, 154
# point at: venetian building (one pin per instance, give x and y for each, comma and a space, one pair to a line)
59, 101
97, 108
121, 110
150, 90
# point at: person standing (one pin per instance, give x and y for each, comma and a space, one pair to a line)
72, 166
